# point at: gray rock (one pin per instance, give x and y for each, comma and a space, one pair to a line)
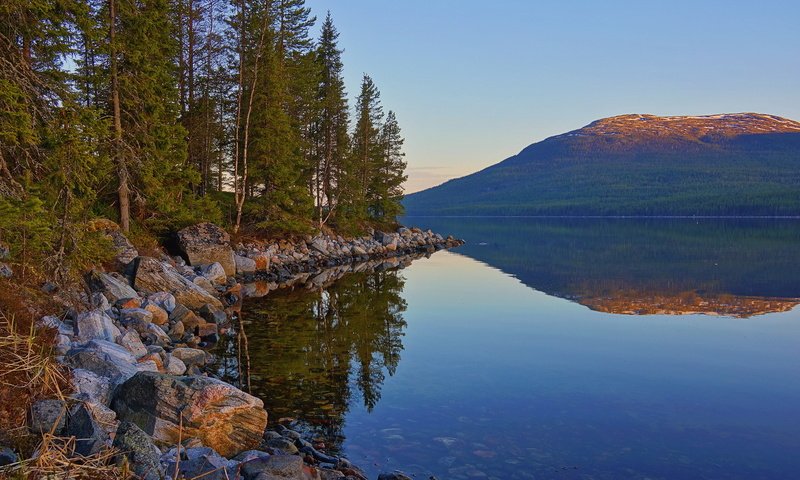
174, 365
5, 271
198, 462
92, 426
138, 448
244, 264
213, 314
203, 283
7, 457
273, 467
125, 251
164, 300
132, 343
48, 416
328, 474
283, 444
154, 276
219, 414
207, 243
114, 286
91, 386
214, 273
99, 301
104, 359
95, 325
320, 246
250, 455
55, 323
130, 316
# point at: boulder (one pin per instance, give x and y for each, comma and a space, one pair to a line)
7, 456
125, 252
174, 365
135, 446
190, 356
213, 314
91, 387
244, 264
198, 462
160, 316
104, 359
92, 425
220, 415
214, 273
48, 415
204, 283
262, 261
207, 243
164, 300
132, 343
113, 285
273, 467
95, 324
154, 276
283, 444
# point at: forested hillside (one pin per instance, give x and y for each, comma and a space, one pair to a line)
737, 164
161, 113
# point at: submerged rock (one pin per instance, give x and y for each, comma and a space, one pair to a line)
273, 467
220, 415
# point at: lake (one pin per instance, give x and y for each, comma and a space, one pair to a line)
548, 348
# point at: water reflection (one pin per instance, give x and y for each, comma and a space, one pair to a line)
315, 347
731, 267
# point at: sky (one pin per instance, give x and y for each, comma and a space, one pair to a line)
474, 82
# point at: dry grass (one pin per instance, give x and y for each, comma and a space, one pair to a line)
55, 459
27, 362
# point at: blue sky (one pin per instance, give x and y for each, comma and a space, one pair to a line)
473, 82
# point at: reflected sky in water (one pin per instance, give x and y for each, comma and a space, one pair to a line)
490, 377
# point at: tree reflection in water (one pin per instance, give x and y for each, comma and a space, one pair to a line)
312, 352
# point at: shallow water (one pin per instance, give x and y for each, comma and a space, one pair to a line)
534, 352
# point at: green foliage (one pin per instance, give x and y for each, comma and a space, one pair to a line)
182, 76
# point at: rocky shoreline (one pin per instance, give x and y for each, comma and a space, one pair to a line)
138, 356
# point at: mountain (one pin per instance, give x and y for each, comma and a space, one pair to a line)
729, 164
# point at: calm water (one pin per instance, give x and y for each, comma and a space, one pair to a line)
551, 349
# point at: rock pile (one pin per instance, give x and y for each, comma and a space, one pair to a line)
137, 359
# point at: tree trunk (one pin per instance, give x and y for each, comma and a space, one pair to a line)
122, 169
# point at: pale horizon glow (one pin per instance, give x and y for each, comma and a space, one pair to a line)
474, 82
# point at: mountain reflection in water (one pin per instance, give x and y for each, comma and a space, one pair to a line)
523, 377
729, 267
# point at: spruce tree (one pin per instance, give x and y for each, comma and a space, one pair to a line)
367, 153
330, 127
390, 174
